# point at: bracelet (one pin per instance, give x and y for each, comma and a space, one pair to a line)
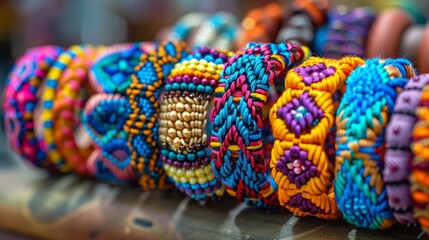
184, 27
47, 102
104, 118
218, 31
303, 127
19, 101
68, 104
398, 153
183, 119
260, 25
236, 139
363, 114
347, 32
115, 65
419, 168
142, 126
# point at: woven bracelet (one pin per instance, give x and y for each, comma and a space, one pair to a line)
362, 116
104, 118
347, 32
20, 99
303, 127
398, 155
183, 122
46, 128
142, 122
237, 119
72, 92
419, 177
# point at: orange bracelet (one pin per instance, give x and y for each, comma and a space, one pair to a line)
303, 128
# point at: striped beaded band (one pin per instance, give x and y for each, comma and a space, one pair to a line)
47, 102
237, 119
398, 155
362, 116
69, 101
20, 99
420, 164
347, 32
183, 119
104, 118
142, 123
303, 120
112, 71
218, 31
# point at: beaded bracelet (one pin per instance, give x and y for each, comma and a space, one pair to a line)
183, 119
260, 25
142, 122
347, 32
96, 167
183, 28
398, 153
47, 102
303, 124
20, 98
363, 114
69, 101
420, 167
236, 142
104, 118
113, 69
218, 31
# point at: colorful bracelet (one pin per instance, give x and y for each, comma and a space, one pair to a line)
303, 127
72, 89
183, 119
47, 102
112, 71
104, 118
420, 167
184, 27
237, 119
347, 32
20, 99
142, 122
398, 153
362, 116
218, 31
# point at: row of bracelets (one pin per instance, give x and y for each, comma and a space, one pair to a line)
343, 138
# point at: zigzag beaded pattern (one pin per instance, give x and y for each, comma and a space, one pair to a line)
183, 120
113, 69
302, 119
47, 103
237, 119
419, 177
68, 104
398, 152
104, 118
20, 100
142, 122
362, 116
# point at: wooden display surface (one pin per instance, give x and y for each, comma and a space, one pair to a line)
35, 204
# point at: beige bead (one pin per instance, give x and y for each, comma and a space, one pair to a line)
187, 133
180, 107
176, 142
173, 115
178, 124
186, 116
172, 132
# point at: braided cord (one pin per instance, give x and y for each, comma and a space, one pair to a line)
142, 122
362, 116
398, 153
237, 119
302, 120
420, 167
104, 118
20, 100
183, 119
69, 101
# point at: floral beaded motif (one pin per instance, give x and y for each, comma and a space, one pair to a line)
183, 119
142, 122
236, 140
302, 120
